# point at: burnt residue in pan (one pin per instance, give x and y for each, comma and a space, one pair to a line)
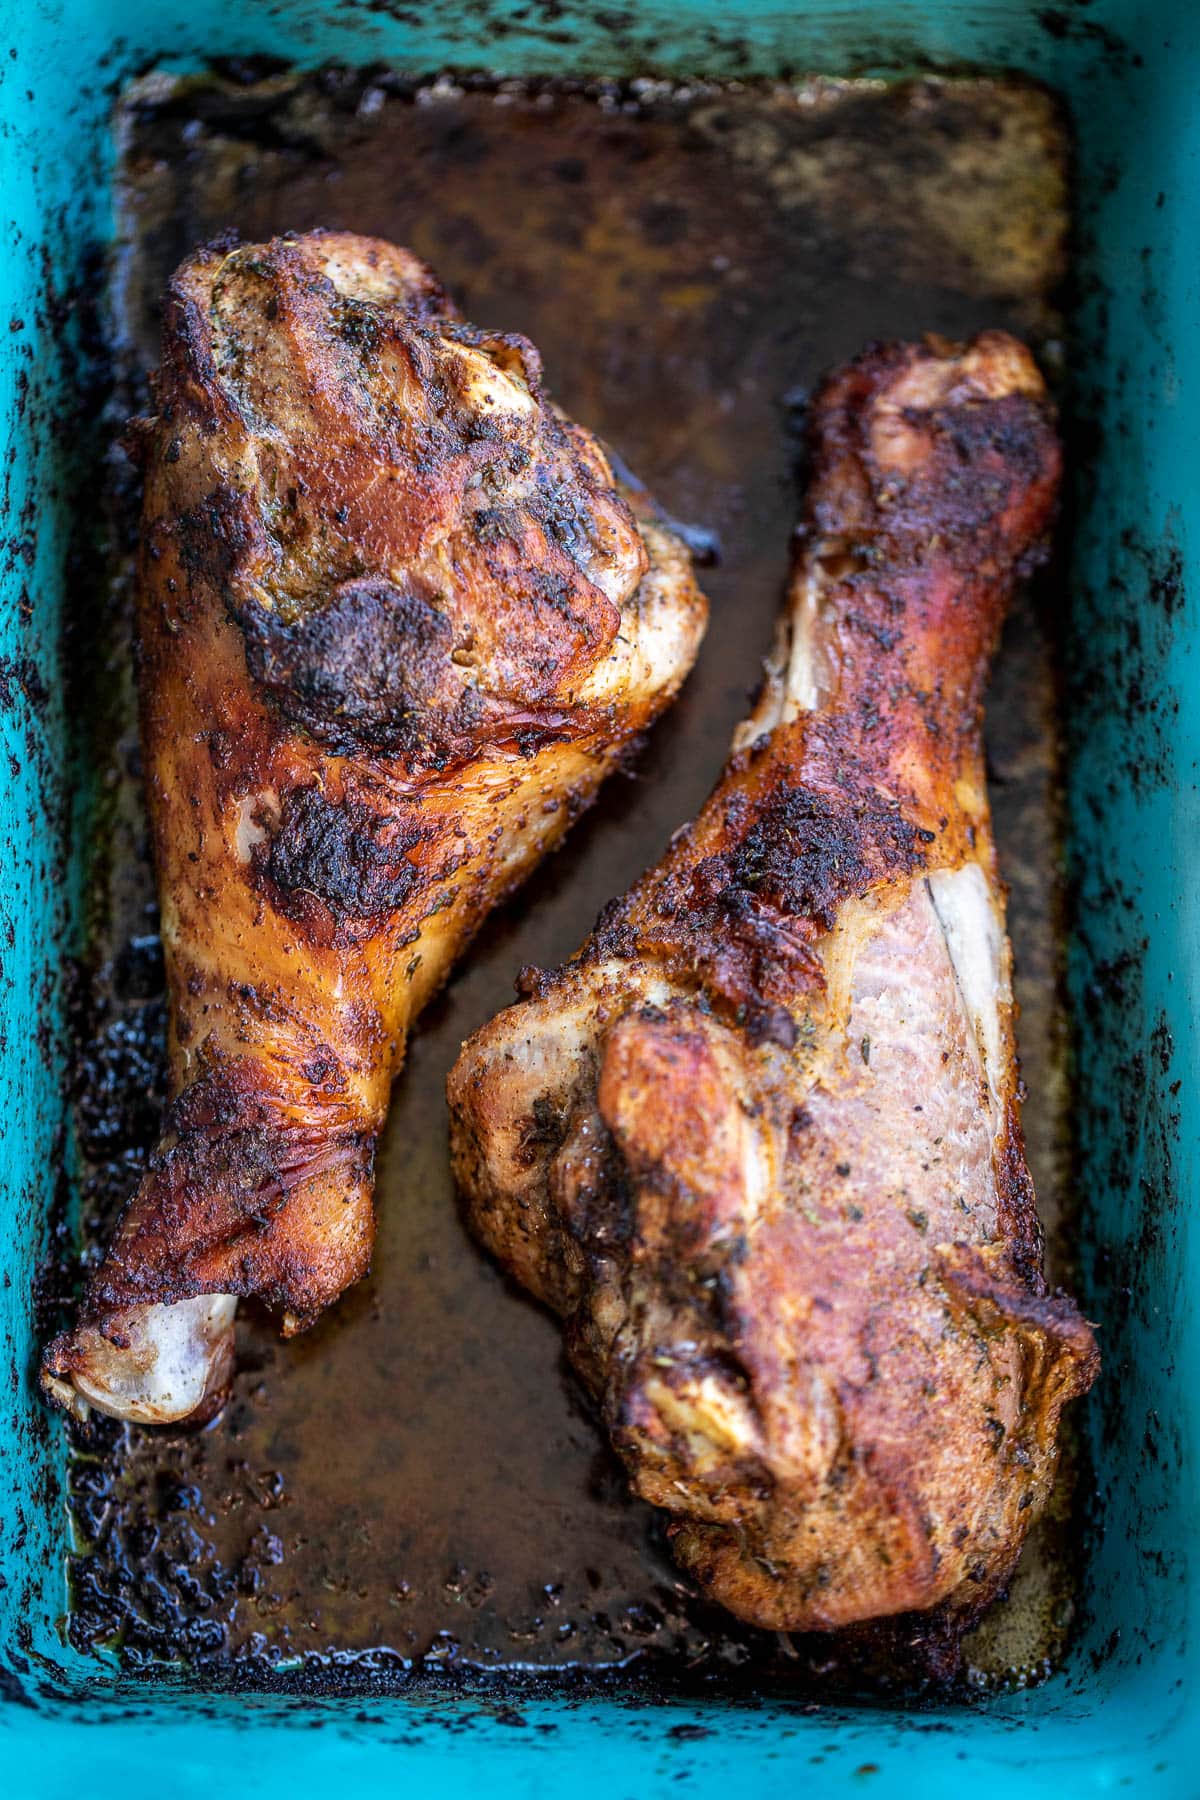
416, 1489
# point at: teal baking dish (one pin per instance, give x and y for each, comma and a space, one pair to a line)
1125, 1710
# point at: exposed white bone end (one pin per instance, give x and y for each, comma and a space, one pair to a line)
152, 1365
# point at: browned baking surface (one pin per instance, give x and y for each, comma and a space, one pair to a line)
417, 1474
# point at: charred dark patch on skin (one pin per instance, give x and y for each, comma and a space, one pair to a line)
376, 672
360, 863
746, 920
806, 853
754, 913
213, 538
363, 671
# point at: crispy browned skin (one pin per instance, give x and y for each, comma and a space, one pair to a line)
396, 625
759, 1143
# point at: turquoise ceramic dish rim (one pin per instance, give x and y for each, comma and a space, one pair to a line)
1122, 1710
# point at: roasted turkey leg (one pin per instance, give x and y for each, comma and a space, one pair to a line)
396, 624
759, 1142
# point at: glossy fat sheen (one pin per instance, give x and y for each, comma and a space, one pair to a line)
759, 1143
396, 625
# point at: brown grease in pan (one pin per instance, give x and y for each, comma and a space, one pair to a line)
416, 1484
